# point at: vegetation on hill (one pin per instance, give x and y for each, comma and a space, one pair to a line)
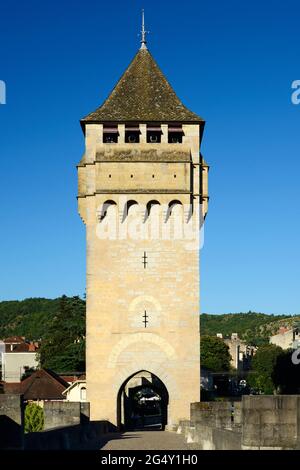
255, 328
63, 344
60, 325
30, 317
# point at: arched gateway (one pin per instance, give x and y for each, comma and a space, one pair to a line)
142, 195
142, 402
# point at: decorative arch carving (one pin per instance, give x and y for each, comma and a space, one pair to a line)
152, 338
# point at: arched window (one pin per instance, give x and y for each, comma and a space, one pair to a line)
151, 207
106, 208
83, 394
173, 205
128, 207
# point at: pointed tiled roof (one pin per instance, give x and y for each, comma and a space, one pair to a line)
142, 94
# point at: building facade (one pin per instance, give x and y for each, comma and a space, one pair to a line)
76, 391
142, 196
17, 355
241, 353
287, 338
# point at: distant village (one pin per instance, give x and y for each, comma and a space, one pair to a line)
234, 383
20, 372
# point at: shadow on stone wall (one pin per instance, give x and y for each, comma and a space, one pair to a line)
11, 422
11, 434
89, 436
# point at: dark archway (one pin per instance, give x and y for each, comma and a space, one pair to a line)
142, 402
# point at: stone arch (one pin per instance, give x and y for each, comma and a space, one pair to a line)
143, 298
158, 369
140, 303
127, 206
152, 338
149, 206
172, 204
107, 207
155, 383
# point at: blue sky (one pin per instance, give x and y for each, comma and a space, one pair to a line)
231, 62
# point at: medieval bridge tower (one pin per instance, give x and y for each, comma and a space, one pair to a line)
142, 196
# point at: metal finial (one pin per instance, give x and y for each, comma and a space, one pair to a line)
143, 32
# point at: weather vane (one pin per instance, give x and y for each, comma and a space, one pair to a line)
143, 32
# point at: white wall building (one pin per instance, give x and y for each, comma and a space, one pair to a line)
15, 356
14, 365
76, 391
287, 339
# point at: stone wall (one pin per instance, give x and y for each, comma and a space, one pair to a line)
11, 421
67, 426
271, 422
63, 413
76, 437
258, 422
214, 425
215, 414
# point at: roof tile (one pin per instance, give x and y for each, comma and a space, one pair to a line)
142, 94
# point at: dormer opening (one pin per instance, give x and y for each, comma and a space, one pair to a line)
132, 134
175, 133
110, 134
153, 134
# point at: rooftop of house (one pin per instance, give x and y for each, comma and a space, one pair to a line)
142, 94
14, 340
74, 384
287, 330
72, 378
43, 384
17, 344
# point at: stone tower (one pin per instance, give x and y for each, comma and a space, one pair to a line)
142, 196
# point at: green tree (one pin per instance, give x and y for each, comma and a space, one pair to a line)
34, 418
214, 354
286, 373
264, 366
63, 346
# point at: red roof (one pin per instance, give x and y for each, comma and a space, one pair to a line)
12, 387
69, 378
18, 344
15, 339
20, 347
